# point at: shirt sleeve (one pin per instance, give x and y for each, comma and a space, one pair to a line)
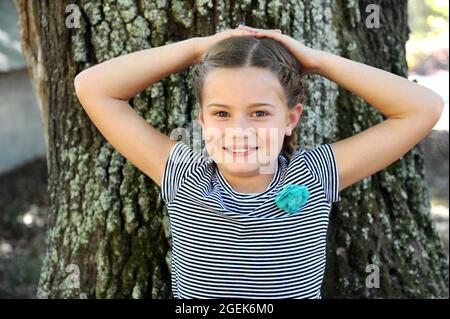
322, 162
180, 164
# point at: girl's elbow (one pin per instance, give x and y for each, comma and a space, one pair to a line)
430, 109
84, 89
80, 83
437, 108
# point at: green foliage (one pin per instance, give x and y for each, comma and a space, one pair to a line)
427, 18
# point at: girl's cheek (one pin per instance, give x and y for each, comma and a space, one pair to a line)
213, 137
212, 134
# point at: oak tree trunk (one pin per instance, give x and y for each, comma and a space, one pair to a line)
108, 234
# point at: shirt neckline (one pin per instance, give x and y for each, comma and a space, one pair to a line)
229, 190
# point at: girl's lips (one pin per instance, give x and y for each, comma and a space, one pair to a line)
245, 153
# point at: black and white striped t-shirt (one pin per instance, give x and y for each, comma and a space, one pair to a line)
228, 244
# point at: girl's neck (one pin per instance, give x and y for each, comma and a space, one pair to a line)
254, 184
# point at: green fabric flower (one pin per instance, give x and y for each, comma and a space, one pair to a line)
292, 197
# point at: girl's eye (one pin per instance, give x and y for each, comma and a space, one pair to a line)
220, 112
265, 113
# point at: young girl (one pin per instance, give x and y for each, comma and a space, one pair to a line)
250, 219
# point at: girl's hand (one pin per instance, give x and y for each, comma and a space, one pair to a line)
309, 58
202, 44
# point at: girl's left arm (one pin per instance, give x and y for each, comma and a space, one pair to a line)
411, 110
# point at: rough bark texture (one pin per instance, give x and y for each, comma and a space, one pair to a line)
106, 217
384, 219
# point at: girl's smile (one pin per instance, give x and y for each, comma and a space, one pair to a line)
241, 151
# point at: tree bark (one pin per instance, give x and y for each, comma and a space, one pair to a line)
107, 220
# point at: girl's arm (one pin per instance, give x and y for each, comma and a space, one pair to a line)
104, 89
411, 110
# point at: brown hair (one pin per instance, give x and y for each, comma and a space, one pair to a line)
267, 53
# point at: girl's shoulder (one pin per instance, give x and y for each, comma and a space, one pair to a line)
183, 160
321, 163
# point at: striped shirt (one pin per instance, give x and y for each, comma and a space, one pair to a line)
228, 244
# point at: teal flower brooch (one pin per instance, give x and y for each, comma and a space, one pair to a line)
292, 197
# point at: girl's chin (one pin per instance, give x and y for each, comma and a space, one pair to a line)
240, 169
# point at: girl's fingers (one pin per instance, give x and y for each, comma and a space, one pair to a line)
244, 27
269, 33
259, 33
240, 32
245, 32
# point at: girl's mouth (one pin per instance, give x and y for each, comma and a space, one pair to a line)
240, 151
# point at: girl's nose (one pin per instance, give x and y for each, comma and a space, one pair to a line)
241, 122
240, 133
240, 128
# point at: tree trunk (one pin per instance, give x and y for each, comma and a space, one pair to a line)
108, 233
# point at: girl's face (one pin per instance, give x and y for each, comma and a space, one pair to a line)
245, 118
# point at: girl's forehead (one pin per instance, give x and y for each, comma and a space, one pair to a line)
242, 86
249, 74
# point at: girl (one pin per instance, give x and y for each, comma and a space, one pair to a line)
242, 226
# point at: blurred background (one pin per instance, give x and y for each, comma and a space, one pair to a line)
23, 168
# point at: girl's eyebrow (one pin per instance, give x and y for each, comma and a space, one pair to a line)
251, 105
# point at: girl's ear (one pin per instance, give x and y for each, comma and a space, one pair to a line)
298, 110
293, 118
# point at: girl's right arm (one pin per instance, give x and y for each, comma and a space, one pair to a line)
104, 90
